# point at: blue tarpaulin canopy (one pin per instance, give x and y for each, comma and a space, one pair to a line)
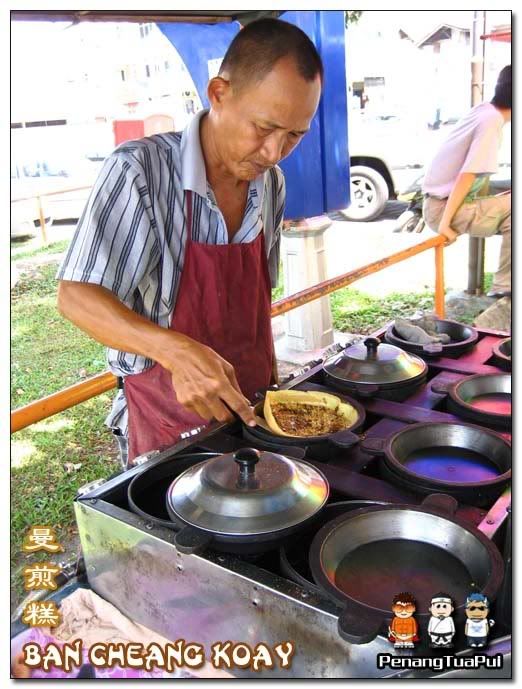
317, 171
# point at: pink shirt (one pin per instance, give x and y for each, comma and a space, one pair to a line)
472, 146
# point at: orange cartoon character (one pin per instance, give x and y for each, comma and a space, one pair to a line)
404, 630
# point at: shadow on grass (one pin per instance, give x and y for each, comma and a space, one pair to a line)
42, 487
44, 478
48, 352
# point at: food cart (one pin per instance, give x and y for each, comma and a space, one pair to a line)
190, 580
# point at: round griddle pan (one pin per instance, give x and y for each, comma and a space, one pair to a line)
362, 559
463, 338
482, 398
293, 556
471, 463
502, 354
321, 444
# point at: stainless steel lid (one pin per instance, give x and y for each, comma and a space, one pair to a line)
248, 492
376, 363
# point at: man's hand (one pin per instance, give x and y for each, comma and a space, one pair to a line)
446, 231
462, 185
206, 384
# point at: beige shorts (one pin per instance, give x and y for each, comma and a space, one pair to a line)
480, 218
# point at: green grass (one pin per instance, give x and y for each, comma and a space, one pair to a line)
488, 281
48, 354
356, 312
18, 252
278, 292
42, 491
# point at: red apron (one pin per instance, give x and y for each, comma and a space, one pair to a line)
224, 302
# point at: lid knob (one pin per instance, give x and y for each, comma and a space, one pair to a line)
247, 458
371, 344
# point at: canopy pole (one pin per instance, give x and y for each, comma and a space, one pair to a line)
477, 244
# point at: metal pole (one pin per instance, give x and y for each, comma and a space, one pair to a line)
439, 281
61, 400
333, 284
42, 220
477, 244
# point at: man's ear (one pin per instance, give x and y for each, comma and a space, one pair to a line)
218, 90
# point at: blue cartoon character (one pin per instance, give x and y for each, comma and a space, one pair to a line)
477, 625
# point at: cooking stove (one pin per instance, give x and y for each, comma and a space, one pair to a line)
134, 564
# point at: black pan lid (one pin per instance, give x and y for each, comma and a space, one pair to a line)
376, 363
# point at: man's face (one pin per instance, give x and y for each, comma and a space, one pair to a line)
441, 609
477, 610
403, 610
263, 123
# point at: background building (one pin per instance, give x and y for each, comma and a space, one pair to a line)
88, 77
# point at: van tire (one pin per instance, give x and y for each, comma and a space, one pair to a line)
368, 194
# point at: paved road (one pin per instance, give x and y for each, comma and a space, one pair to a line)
350, 245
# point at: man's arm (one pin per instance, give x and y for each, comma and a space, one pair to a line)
204, 381
99, 273
456, 198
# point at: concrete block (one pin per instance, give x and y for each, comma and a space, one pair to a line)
497, 316
308, 327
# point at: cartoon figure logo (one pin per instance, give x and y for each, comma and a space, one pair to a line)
441, 628
403, 631
477, 625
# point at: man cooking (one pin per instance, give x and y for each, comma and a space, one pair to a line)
173, 259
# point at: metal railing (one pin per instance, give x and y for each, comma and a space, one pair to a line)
102, 382
41, 213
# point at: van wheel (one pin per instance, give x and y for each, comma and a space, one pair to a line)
368, 194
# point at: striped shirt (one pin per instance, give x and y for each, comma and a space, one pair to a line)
132, 234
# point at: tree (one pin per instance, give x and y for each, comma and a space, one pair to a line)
351, 16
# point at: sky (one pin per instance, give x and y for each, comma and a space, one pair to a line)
420, 23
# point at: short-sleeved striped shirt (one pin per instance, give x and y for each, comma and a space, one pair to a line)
132, 234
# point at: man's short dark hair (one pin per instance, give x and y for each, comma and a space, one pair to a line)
255, 50
502, 97
405, 598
